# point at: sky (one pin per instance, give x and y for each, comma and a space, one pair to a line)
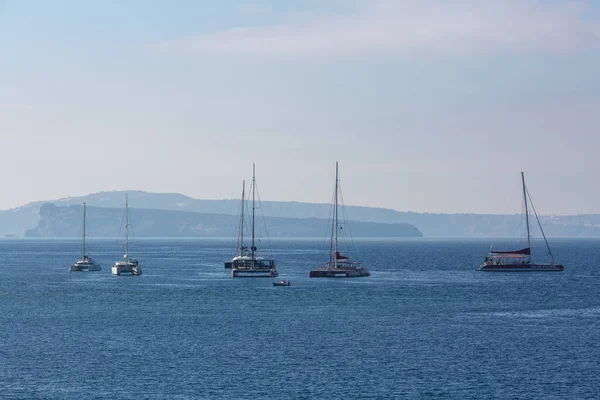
428, 105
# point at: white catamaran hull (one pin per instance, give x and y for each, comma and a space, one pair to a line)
89, 268
253, 273
129, 268
85, 267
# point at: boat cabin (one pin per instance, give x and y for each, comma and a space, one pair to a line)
249, 262
515, 257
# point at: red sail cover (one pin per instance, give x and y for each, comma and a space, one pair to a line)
338, 256
522, 251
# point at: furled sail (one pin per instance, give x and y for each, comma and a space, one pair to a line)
525, 251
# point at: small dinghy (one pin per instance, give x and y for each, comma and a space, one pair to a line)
282, 283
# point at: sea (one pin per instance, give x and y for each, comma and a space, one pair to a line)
424, 325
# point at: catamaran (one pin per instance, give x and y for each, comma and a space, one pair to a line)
520, 260
86, 263
129, 266
338, 266
247, 263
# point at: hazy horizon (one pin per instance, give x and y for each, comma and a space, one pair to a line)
132, 203
429, 106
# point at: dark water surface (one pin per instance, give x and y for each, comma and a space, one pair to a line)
424, 325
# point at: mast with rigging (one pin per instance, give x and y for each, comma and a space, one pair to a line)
526, 212
242, 218
252, 247
83, 256
335, 217
126, 228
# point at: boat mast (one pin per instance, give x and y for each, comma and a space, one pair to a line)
242, 218
253, 192
126, 229
526, 213
335, 223
83, 257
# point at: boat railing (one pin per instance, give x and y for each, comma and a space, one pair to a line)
253, 264
344, 264
504, 260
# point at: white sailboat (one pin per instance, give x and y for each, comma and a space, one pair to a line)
86, 263
338, 266
248, 264
520, 260
129, 266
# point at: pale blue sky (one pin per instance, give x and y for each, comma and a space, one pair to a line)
428, 105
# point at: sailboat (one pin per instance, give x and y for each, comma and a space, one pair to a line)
241, 250
129, 266
247, 263
338, 266
520, 260
86, 263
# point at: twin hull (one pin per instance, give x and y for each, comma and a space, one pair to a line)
253, 272
85, 267
129, 268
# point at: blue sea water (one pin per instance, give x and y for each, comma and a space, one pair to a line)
424, 325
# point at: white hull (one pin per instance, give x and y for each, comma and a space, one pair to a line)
126, 268
85, 267
253, 273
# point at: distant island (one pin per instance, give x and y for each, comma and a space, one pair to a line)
297, 219
66, 221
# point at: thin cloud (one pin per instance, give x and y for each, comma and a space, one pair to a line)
414, 26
